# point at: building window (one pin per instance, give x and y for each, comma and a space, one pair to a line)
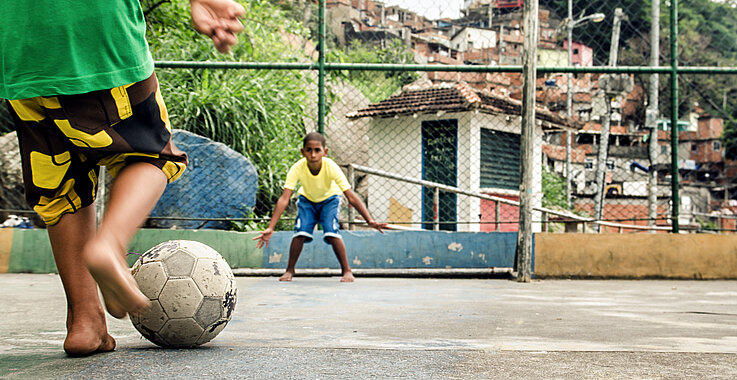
585, 138
588, 163
694, 147
500, 159
575, 51
609, 164
717, 145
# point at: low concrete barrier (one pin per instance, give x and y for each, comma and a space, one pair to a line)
28, 250
682, 256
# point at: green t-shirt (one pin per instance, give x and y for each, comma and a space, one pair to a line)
63, 47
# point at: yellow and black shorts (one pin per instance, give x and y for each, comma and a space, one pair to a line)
65, 139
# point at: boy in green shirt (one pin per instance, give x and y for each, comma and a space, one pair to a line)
319, 201
79, 79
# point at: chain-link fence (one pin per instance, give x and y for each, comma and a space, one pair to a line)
423, 99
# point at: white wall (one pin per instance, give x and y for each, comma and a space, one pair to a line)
395, 146
481, 39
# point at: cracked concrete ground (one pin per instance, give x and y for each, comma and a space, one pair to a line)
394, 328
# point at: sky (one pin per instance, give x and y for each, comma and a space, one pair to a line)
431, 9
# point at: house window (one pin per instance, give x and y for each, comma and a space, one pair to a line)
588, 163
694, 147
585, 138
584, 115
609, 164
500, 159
717, 145
575, 51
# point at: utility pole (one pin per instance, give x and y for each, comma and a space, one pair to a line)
490, 13
604, 137
523, 262
569, 104
502, 45
652, 118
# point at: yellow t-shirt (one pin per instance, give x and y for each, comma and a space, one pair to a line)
317, 188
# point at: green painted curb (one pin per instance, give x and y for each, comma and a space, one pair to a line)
237, 248
31, 250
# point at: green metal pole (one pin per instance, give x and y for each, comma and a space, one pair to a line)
674, 113
321, 70
333, 66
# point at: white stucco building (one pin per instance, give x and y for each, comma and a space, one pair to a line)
454, 135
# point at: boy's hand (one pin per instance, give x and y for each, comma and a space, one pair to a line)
379, 226
263, 239
218, 19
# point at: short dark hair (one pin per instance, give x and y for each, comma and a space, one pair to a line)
314, 136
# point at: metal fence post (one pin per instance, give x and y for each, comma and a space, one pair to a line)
674, 114
497, 213
352, 181
435, 209
100, 202
321, 70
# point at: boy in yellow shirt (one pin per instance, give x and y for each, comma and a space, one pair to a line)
319, 201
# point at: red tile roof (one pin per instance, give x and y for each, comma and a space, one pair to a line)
458, 97
558, 153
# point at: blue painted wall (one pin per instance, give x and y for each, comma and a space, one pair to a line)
400, 249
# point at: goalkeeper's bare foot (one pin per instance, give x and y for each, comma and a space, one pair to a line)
347, 277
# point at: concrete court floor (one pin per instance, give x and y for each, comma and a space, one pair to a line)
405, 328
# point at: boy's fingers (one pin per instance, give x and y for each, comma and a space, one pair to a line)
233, 26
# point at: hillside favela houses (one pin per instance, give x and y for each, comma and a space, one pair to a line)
490, 32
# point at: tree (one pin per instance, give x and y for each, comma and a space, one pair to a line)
375, 85
598, 36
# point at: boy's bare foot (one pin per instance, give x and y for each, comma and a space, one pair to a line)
84, 342
87, 337
287, 276
119, 290
347, 277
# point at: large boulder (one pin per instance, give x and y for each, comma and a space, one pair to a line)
218, 183
11, 177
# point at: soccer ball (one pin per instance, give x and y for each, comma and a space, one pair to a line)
192, 292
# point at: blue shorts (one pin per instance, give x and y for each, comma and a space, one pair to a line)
310, 213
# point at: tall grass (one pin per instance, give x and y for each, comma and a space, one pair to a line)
257, 113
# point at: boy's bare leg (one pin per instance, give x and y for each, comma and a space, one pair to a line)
134, 194
86, 327
295, 249
339, 249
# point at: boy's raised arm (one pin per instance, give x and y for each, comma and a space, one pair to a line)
281, 205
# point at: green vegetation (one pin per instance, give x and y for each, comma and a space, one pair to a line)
707, 36
257, 113
375, 85
554, 190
